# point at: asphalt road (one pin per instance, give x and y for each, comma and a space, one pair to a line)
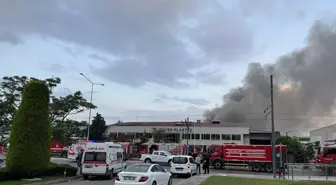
102, 181
179, 180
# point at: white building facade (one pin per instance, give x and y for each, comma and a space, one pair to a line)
198, 133
323, 134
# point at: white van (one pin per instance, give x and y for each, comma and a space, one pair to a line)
183, 165
76, 147
102, 159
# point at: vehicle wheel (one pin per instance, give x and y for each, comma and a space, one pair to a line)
148, 161
154, 183
218, 164
256, 167
85, 177
268, 167
170, 182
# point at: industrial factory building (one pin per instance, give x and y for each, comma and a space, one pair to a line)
323, 134
198, 133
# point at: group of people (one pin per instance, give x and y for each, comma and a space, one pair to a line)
203, 160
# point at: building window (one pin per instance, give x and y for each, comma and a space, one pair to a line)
226, 137
205, 136
236, 137
215, 137
195, 136
119, 156
184, 136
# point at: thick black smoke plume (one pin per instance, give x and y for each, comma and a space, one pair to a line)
304, 88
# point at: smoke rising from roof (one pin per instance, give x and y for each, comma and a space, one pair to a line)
304, 87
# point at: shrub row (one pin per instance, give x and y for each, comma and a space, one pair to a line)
52, 170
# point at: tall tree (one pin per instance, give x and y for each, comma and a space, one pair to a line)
98, 128
60, 107
4, 123
66, 130
29, 152
10, 97
294, 147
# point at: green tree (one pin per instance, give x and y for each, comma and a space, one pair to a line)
98, 128
157, 136
294, 147
64, 131
29, 152
4, 123
60, 107
143, 139
10, 96
308, 152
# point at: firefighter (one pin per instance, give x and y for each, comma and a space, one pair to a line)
79, 157
206, 164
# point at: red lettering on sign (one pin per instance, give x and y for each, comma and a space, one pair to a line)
96, 148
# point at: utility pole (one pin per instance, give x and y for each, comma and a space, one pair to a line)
273, 132
91, 94
271, 111
187, 123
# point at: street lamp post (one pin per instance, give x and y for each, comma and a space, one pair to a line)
290, 132
91, 94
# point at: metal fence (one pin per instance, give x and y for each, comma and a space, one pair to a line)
310, 171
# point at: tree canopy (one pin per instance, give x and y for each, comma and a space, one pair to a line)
302, 153
157, 136
98, 128
61, 108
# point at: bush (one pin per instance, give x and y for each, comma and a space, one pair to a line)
58, 169
29, 150
52, 170
3, 174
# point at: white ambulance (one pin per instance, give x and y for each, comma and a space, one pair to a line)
102, 159
76, 147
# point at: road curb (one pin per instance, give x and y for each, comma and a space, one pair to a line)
57, 181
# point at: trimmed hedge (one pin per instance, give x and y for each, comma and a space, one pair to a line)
52, 170
29, 150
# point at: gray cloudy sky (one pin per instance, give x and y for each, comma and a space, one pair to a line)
167, 55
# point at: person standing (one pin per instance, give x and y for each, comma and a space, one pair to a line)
198, 163
80, 157
206, 164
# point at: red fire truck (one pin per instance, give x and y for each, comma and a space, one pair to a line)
257, 157
326, 154
58, 148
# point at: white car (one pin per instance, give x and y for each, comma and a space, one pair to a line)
183, 165
160, 157
144, 174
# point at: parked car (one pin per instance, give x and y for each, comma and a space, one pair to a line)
144, 174
183, 165
160, 157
